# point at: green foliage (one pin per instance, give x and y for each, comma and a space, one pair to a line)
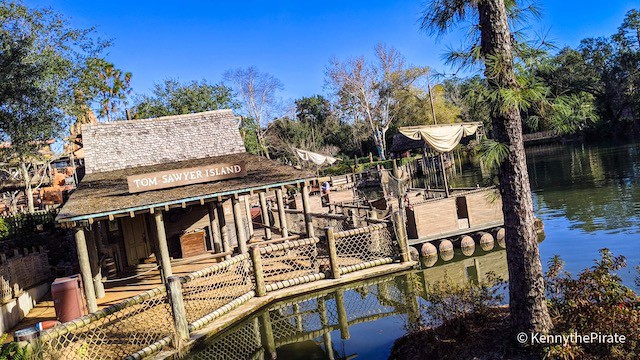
12, 350
105, 83
492, 153
174, 98
41, 58
4, 229
594, 301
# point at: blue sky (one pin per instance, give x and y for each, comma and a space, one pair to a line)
293, 40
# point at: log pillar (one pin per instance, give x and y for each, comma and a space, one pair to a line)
282, 217
306, 210
247, 207
85, 269
266, 222
241, 236
214, 225
94, 260
163, 247
224, 230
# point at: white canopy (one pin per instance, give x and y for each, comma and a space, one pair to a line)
442, 138
315, 158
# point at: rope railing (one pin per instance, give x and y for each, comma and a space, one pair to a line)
142, 325
113, 332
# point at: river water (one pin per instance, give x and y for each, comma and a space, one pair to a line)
588, 197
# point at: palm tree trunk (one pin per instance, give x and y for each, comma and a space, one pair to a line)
527, 303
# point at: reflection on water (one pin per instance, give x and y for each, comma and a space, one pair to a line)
358, 320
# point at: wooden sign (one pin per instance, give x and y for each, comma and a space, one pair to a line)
181, 177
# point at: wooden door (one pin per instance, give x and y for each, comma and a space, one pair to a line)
136, 239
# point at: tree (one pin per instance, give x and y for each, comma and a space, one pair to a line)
174, 98
257, 91
370, 92
102, 82
527, 303
41, 58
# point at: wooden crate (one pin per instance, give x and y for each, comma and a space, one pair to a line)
193, 243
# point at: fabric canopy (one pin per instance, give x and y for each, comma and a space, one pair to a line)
442, 138
315, 158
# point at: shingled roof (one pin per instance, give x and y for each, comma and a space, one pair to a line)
106, 193
121, 149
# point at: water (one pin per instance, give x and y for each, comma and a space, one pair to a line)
587, 196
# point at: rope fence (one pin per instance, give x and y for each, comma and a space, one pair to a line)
115, 332
142, 325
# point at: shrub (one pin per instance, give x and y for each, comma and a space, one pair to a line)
4, 229
595, 301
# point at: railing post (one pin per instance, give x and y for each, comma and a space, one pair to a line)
343, 321
261, 289
267, 335
333, 254
401, 234
177, 308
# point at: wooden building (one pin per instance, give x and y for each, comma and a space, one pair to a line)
172, 187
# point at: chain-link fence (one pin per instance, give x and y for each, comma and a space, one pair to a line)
112, 333
209, 290
361, 248
291, 263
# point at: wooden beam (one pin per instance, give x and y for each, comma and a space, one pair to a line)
247, 209
224, 230
306, 210
282, 217
266, 222
241, 236
214, 225
85, 269
163, 247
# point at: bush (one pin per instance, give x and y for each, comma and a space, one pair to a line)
4, 229
595, 301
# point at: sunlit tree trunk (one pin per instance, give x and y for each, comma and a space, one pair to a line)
527, 301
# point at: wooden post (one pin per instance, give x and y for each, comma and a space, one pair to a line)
343, 321
324, 321
224, 230
241, 236
214, 225
266, 222
267, 335
258, 273
85, 269
401, 233
163, 248
94, 260
174, 287
333, 254
247, 207
444, 176
305, 208
282, 217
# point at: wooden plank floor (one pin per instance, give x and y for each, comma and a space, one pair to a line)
118, 291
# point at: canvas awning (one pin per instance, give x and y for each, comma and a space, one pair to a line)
315, 158
442, 138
